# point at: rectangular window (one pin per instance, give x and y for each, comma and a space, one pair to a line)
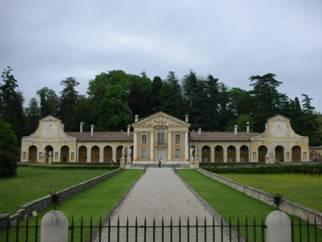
143, 153
143, 139
177, 153
160, 137
178, 139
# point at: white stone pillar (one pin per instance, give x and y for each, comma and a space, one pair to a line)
54, 227
101, 154
278, 227
169, 146
225, 154
114, 153
152, 146
89, 152
186, 146
134, 146
237, 154
212, 154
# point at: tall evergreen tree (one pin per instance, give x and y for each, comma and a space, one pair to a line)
67, 103
48, 102
33, 115
11, 102
155, 95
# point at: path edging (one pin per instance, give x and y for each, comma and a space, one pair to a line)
288, 206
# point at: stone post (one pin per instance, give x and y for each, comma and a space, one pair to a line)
54, 227
278, 227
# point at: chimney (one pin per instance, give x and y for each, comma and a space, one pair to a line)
187, 118
92, 129
81, 127
199, 131
128, 129
235, 129
136, 118
247, 127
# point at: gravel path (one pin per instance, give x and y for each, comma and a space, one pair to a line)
160, 193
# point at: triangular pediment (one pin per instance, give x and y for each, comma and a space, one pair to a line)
160, 119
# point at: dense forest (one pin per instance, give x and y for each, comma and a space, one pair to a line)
114, 97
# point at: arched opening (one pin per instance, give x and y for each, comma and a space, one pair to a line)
82, 154
244, 154
206, 154
219, 154
231, 153
279, 154
119, 153
49, 151
64, 153
108, 154
262, 151
32, 154
95, 154
296, 153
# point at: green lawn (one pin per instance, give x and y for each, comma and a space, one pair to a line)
35, 182
95, 202
300, 188
232, 204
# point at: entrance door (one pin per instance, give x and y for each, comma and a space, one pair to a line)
160, 154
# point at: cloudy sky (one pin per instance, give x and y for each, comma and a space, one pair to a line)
47, 41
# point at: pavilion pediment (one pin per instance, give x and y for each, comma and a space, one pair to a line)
160, 120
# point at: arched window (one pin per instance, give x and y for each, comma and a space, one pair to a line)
82, 154
206, 154
231, 153
279, 154
95, 154
108, 154
32, 154
262, 151
219, 154
64, 153
296, 153
244, 154
119, 153
49, 151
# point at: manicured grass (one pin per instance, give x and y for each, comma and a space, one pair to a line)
93, 203
233, 204
300, 188
34, 182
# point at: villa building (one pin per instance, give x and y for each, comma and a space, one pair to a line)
166, 138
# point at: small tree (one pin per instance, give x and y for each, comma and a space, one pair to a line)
8, 150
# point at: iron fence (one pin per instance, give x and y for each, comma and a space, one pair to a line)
162, 230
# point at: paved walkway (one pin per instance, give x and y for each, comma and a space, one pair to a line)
160, 193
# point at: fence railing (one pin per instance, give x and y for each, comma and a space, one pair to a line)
153, 230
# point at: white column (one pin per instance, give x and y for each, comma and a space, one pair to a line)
88, 154
186, 146
225, 153
152, 146
237, 154
169, 146
101, 154
212, 154
134, 146
114, 153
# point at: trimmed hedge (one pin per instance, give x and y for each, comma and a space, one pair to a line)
73, 165
311, 168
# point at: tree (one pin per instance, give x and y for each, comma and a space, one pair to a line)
8, 150
48, 102
67, 103
32, 115
11, 101
171, 96
155, 95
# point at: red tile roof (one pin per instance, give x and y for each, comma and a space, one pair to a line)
102, 136
221, 136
